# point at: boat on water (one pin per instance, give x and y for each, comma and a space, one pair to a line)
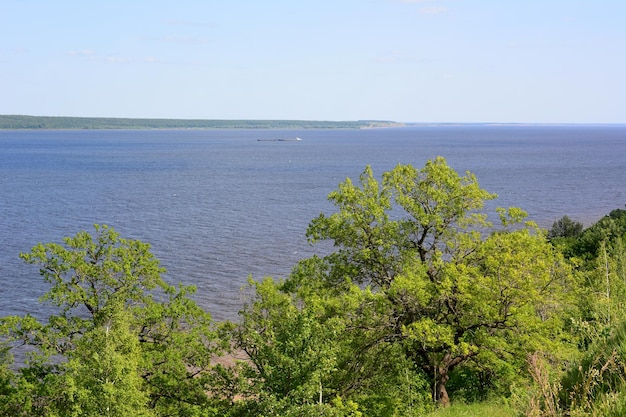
280, 140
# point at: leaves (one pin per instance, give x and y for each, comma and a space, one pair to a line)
451, 290
124, 342
421, 293
87, 273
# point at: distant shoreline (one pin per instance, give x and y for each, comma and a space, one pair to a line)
24, 122
13, 122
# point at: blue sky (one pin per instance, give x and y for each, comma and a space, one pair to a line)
544, 61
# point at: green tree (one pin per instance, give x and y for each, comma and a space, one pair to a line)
566, 228
102, 375
291, 353
450, 289
609, 228
309, 354
594, 381
148, 344
598, 256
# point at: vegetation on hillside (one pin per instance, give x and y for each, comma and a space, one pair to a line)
44, 122
425, 302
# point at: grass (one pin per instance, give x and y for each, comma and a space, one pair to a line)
486, 409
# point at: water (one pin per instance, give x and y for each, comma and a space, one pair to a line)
218, 205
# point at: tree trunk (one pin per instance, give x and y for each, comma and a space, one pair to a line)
441, 377
440, 393
442, 368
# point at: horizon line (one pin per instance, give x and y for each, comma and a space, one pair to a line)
195, 119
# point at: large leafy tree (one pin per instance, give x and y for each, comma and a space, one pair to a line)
451, 287
122, 341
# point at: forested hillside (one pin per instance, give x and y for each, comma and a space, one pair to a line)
424, 303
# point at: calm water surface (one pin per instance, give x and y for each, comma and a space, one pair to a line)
218, 205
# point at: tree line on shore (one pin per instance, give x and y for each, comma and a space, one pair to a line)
57, 122
423, 302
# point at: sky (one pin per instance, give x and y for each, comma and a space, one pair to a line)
424, 61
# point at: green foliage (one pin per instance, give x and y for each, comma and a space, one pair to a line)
451, 291
87, 275
9, 393
291, 348
102, 374
610, 228
124, 342
594, 381
302, 355
478, 409
598, 256
423, 295
600, 371
565, 228
417, 292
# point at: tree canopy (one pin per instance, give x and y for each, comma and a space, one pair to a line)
124, 342
419, 270
423, 299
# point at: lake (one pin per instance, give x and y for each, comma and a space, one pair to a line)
220, 205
